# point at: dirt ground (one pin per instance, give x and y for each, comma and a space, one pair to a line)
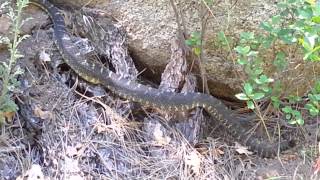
69, 129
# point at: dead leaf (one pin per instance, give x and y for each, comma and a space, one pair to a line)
289, 157
8, 116
205, 150
242, 149
71, 169
218, 152
44, 57
45, 115
71, 151
159, 136
193, 160
101, 128
34, 173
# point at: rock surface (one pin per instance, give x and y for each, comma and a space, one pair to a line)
151, 25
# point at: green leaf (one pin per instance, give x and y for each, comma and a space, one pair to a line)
276, 19
287, 109
316, 19
286, 35
242, 96
299, 25
309, 3
312, 56
197, 51
258, 81
242, 50
248, 89
247, 35
296, 113
292, 122
282, 5
317, 87
189, 42
300, 121
275, 101
292, 1
257, 96
252, 53
305, 13
310, 39
194, 40
9, 105
308, 55
269, 80
258, 71
316, 11
314, 97
305, 45
266, 26
288, 116
242, 61
266, 79
268, 41
280, 61
250, 104
294, 99
263, 79
312, 109
196, 35
314, 112
265, 88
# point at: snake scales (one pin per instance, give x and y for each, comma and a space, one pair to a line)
131, 90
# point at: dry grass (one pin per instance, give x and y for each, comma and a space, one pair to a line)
89, 139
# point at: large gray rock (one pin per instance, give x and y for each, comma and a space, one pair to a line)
151, 25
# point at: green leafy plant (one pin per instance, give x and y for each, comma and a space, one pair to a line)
297, 23
314, 101
195, 42
257, 85
8, 71
250, 95
293, 116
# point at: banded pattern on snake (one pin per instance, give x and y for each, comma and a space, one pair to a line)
131, 90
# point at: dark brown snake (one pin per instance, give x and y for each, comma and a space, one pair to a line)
131, 90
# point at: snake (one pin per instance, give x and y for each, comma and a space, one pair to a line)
148, 96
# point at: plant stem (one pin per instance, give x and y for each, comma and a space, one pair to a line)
13, 49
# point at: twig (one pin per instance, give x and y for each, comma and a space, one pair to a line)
181, 34
200, 58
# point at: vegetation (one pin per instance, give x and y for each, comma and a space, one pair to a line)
8, 71
296, 24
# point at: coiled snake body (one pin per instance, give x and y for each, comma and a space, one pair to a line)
131, 90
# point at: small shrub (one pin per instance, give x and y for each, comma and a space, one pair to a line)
8, 71
297, 23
